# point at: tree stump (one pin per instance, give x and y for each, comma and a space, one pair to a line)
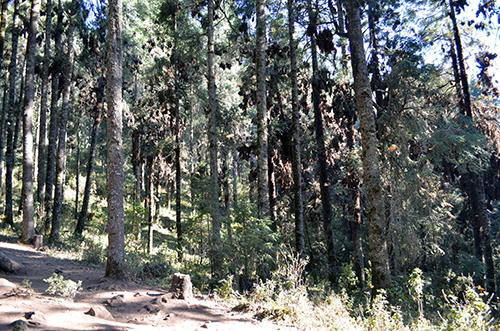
10, 266
182, 288
37, 241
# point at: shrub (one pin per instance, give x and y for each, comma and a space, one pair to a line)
65, 288
467, 309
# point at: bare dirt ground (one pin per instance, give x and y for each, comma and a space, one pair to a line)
131, 306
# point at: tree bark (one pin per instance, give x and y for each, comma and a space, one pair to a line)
213, 147
178, 173
19, 115
148, 202
29, 106
42, 145
262, 113
271, 187
115, 267
377, 225
63, 133
3, 26
326, 205
97, 116
234, 155
3, 121
78, 163
53, 127
178, 178
456, 71
225, 180
491, 285
354, 188
474, 183
465, 100
374, 65
296, 134
11, 105
136, 165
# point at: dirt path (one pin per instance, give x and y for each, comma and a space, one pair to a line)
130, 306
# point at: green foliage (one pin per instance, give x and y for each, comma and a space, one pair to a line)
416, 284
468, 306
26, 283
253, 244
284, 296
62, 287
93, 250
383, 316
348, 278
135, 216
225, 290
19, 325
457, 144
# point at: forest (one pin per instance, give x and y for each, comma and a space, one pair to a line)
310, 153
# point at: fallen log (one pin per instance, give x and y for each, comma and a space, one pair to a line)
11, 266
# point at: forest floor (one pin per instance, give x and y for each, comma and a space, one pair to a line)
131, 306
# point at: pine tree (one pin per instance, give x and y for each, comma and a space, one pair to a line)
262, 113
115, 267
377, 224
29, 105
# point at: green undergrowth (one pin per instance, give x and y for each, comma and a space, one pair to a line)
416, 301
62, 287
286, 298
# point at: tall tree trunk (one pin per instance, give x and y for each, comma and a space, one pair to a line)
326, 205
234, 155
78, 163
491, 286
156, 197
262, 113
465, 101
3, 121
148, 202
296, 134
356, 230
192, 162
225, 181
3, 26
377, 225
42, 145
178, 178
136, 165
53, 127
178, 173
17, 128
19, 110
456, 71
339, 12
271, 187
115, 267
97, 116
474, 183
29, 106
374, 65
213, 146
11, 106
63, 132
